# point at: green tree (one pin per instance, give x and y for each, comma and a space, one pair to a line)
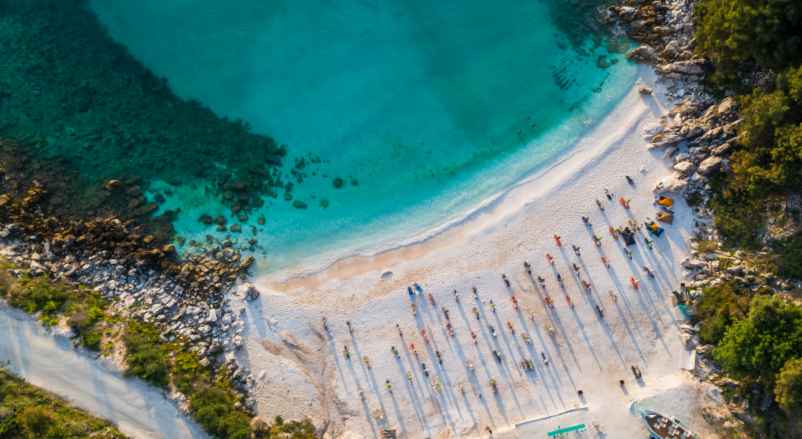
788, 390
738, 35
759, 345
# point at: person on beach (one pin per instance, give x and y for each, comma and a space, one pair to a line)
648, 271
628, 252
431, 299
541, 280
613, 232
350, 329
346, 352
492, 306
599, 204
475, 293
497, 355
400, 332
630, 180
550, 258
411, 293
506, 281
559, 279
634, 282
605, 261
439, 357
325, 324
586, 284
366, 360
414, 307
577, 250
514, 303
570, 302
388, 386
456, 296
527, 339
445, 313
586, 220
510, 327
474, 338
597, 240
475, 312
608, 194
418, 288
527, 266
576, 267
624, 202
409, 377
558, 240
394, 351
612, 295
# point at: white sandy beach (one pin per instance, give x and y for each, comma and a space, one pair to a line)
302, 371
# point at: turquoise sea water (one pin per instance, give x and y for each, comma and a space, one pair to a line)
423, 108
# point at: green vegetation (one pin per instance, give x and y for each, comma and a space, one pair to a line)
146, 355
717, 309
27, 412
84, 309
740, 36
788, 389
213, 402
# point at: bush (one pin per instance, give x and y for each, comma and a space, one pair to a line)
146, 355
790, 257
758, 345
718, 308
214, 408
788, 390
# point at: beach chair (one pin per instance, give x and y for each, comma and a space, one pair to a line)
666, 217
665, 201
654, 228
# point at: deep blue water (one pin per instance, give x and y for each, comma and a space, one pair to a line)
429, 106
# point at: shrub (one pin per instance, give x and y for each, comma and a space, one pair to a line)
758, 345
788, 390
214, 408
718, 308
146, 355
790, 257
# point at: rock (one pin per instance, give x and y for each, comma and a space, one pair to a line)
687, 68
671, 183
251, 293
722, 149
726, 105
693, 264
111, 185
644, 90
298, 204
709, 165
684, 167
643, 54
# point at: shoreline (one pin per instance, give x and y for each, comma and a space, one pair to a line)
488, 212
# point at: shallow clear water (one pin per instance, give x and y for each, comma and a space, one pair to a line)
429, 106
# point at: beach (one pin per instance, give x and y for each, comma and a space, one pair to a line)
302, 371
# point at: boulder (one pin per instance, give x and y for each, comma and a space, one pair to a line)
643, 54
251, 293
710, 164
684, 167
687, 68
671, 183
